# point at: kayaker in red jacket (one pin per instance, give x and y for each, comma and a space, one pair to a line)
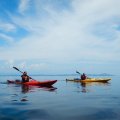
83, 76
25, 77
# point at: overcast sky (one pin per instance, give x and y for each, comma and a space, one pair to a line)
60, 36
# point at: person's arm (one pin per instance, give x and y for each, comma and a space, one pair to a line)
30, 78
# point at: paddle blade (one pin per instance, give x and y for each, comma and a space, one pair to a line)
16, 68
77, 72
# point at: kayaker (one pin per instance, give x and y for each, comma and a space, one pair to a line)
25, 77
83, 76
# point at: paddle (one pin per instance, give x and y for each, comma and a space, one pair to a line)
21, 72
78, 72
17, 69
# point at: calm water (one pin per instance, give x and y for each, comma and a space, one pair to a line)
66, 101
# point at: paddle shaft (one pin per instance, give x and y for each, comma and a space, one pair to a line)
21, 71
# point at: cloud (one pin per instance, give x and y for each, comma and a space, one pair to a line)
63, 35
7, 27
6, 38
23, 6
85, 32
9, 63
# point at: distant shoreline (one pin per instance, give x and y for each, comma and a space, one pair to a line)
103, 74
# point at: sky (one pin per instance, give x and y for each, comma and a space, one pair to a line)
60, 36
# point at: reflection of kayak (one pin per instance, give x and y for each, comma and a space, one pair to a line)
34, 82
90, 80
28, 88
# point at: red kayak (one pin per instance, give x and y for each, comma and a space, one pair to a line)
34, 82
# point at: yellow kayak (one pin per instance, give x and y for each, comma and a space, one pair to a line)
90, 80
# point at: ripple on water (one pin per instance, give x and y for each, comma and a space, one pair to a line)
100, 114
17, 114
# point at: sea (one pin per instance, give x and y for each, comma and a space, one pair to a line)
64, 101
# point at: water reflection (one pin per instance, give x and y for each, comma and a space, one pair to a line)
28, 88
85, 85
84, 90
21, 92
88, 86
25, 88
